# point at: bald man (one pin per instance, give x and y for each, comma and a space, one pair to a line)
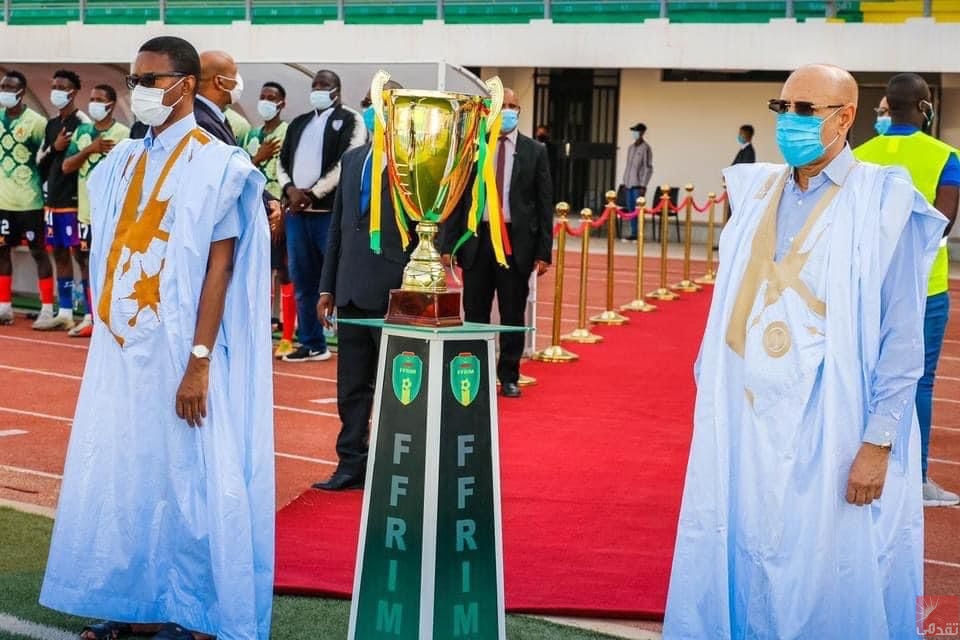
802, 513
935, 169
221, 85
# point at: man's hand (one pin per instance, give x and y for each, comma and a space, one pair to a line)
867, 474
268, 149
297, 199
101, 145
192, 394
542, 267
274, 217
325, 310
63, 139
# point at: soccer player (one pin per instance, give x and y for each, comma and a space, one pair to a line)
263, 144
88, 146
63, 234
21, 193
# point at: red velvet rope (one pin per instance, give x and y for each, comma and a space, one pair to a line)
623, 215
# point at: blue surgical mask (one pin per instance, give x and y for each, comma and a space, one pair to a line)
741, 140
635, 135
799, 138
511, 117
321, 100
882, 124
368, 118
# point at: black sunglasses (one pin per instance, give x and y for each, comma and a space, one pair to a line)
800, 107
149, 80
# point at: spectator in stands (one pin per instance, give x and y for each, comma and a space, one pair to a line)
62, 226
935, 169
309, 169
263, 144
805, 388
526, 195
746, 154
90, 144
638, 172
21, 192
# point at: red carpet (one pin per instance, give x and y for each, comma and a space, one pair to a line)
593, 459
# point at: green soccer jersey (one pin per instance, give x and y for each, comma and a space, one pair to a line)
269, 167
20, 139
84, 135
238, 124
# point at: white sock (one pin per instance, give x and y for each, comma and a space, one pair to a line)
6, 307
47, 309
65, 313
87, 317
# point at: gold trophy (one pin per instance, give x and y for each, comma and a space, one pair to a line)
431, 141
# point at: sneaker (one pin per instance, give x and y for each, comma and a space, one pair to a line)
82, 330
936, 496
283, 349
6, 317
50, 322
306, 354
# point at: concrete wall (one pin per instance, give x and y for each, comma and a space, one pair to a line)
781, 44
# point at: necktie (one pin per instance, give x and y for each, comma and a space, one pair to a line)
365, 186
501, 165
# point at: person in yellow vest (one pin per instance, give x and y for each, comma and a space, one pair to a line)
935, 169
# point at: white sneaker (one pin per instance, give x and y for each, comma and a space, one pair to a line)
83, 329
936, 496
6, 317
50, 322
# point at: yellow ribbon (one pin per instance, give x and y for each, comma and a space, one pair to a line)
493, 197
376, 183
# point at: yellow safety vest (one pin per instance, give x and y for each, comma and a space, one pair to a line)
923, 157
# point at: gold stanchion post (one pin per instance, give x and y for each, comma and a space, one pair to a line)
555, 352
687, 285
610, 316
663, 293
582, 333
710, 276
638, 303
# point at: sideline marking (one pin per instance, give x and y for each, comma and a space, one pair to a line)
19, 627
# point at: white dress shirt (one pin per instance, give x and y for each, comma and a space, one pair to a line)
509, 146
308, 156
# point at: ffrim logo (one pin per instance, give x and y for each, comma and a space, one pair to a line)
938, 616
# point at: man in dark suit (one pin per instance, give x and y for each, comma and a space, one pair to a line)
523, 181
221, 85
309, 170
746, 154
357, 282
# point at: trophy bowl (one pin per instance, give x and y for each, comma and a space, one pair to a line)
430, 141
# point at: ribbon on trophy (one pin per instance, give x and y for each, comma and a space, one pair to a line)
485, 194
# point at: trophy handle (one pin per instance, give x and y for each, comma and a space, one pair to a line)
380, 79
495, 87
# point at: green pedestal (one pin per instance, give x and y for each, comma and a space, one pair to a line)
430, 557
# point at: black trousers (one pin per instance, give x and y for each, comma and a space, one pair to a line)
357, 354
484, 278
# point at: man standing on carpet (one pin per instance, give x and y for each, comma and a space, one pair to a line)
806, 381
526, 191
357, 283
167, 506
935, 169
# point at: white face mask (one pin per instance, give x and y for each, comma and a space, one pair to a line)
147, 105
237, 90
59, 98
99, 110
321, 100
9, 99
267, 110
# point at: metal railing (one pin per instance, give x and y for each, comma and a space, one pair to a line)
54, 11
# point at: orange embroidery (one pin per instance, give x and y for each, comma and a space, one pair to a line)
136, 233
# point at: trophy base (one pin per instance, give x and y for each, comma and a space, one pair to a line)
424, 309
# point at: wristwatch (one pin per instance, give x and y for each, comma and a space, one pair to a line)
200, 351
